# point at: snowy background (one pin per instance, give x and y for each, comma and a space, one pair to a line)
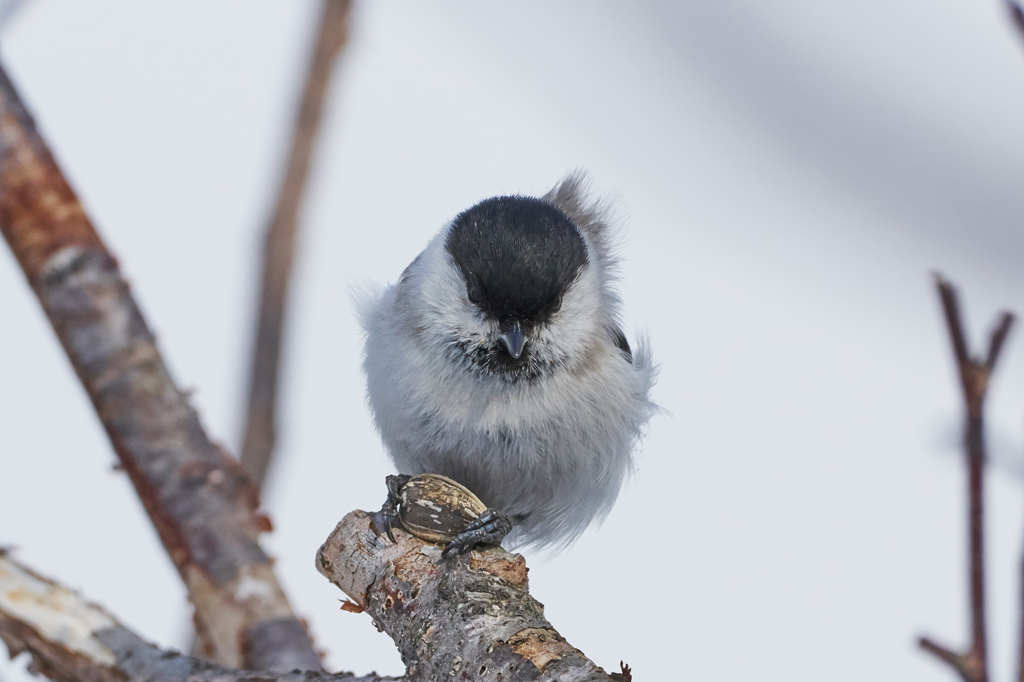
786, 174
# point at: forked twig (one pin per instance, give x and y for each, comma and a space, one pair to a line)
975, 374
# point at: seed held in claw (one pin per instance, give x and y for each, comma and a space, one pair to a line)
435, 508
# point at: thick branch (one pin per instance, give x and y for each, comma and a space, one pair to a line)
279, 245
975, 374
199, 499
73, 640
471, 617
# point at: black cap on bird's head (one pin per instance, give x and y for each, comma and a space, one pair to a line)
518, 256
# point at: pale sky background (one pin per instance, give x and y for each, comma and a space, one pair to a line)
786, 173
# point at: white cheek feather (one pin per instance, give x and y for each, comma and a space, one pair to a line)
574, 329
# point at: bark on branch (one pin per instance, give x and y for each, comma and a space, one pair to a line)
279, 245
73, 640
471, 617
198, 497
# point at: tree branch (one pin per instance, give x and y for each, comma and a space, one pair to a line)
975, 374
279, 245
73, 640
471, 617
199, 499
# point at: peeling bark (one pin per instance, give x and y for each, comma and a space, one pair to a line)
198, 497
470, 617
73, 640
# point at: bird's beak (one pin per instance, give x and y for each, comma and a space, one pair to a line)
512, 337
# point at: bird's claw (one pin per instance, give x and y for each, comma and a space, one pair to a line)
389, 512
490, 528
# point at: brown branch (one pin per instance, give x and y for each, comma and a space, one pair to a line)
471, 617
279, 246
199, 498
73, 640
974, 379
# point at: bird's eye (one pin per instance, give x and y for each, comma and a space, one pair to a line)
554, 306
474, 292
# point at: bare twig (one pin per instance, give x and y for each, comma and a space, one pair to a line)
1020, 632
975, 374
471, 617
1013, 7
279, 246
199, 499
72, 640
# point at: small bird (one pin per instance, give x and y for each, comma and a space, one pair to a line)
498, 360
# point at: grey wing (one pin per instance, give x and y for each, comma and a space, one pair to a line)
622, 343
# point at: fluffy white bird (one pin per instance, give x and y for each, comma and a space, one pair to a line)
498, 360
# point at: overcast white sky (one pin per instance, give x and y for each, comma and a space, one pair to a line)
786, 173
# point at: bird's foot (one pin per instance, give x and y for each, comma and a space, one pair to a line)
490, 528
389, 512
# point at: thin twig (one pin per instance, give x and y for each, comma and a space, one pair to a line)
1020, 625
71, 639
279, 246
1016, 15
974, 379
942, 653
198, 497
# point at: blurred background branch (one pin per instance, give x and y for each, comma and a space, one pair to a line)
269, 333
71, 639
198, 497
1016, 16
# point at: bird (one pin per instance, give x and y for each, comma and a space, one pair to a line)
498, 359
